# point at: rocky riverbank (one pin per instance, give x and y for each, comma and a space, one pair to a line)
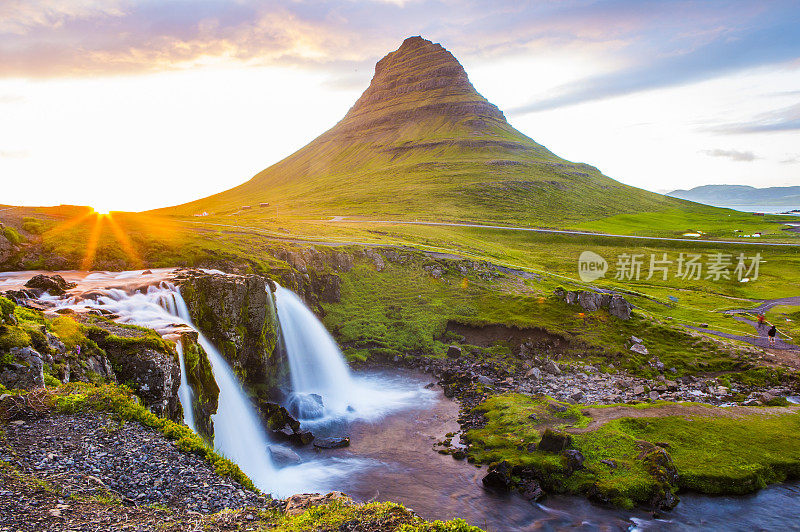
463, 374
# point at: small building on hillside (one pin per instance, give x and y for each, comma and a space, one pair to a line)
263, 204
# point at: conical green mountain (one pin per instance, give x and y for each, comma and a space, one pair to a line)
422, 143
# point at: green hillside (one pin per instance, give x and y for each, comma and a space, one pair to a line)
422, 143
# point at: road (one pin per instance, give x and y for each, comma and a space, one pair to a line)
343, 219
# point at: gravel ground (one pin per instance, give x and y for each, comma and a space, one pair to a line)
92, 454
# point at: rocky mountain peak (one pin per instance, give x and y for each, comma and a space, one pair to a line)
420, 79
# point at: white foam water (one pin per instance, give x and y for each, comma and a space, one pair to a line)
238, 433
318, 367
185, 392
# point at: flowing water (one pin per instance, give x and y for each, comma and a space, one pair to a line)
393, 419
185, 392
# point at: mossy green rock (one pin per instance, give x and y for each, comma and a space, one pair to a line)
238, 315
200, 377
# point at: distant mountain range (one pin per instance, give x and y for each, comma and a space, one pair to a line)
735, 195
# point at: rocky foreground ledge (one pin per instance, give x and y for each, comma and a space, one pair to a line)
93, 458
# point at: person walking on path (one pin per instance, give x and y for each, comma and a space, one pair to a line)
771, 334
760, 319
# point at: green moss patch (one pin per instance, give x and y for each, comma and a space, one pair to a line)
632, 460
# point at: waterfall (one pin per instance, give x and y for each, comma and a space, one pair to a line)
316, 364
323, 388
319, 372
185, 392
238, 432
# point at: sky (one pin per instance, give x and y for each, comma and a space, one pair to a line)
138, 104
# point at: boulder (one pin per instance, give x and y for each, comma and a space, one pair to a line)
531, 490
640, 348
534, 373
282, 456
55, 285
620, 308
332, 443
498, 478
636, 340
551, 367
554, 442
573, 459
26, 372
277, 417
486, 381
306, 406
591, 301
453, 351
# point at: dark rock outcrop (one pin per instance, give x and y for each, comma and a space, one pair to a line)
153, 372
25, 371
282, 425
591, 301
499, 477
573, 459
55, 285
200, 378
237, 313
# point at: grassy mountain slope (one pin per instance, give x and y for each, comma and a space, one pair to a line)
422, 143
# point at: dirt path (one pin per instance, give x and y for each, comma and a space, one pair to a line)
761, 339
601, 416
767, 304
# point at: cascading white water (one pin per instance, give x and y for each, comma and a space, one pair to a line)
238, 433
185, 392
318, 368
315, 361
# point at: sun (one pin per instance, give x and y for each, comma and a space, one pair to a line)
102, 211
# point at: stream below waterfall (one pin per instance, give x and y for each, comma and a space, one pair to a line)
393, 418
392, 459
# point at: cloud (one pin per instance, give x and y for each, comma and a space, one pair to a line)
22, 16
781, 120
659, 42
734, 155
791, 160
711, 50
